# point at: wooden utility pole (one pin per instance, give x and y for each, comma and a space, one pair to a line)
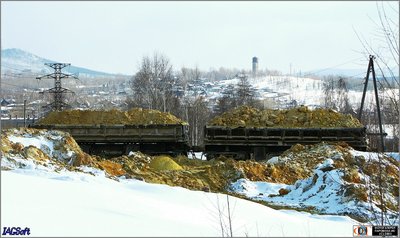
1, 114
371, 69
24, 112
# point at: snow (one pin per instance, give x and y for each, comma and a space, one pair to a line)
197, 155
132, 153
80, 204
306, 91
93, 171
52, 201
394, 155
328, 163
273, 160
49, 142
373, 156
40, 142
323, 192
254, 189
282, 89
92, 203
304, 193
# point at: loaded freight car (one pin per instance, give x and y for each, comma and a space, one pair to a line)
117, 132
258, 143
121, 139
247, 132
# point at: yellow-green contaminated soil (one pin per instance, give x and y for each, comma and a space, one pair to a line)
135, 116
300, 117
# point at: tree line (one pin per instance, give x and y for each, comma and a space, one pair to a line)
336, 97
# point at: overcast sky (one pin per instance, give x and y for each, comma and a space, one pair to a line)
114, 36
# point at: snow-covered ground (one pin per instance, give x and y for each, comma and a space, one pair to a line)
53, 198
327, 190
285, 89
321, 195
395, 155
79, 204
281, 89
197, 155
42, 190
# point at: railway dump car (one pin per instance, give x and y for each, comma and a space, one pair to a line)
121, 139
258, 143
247, 132
114, 132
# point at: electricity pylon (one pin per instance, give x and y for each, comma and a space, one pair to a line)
58, 91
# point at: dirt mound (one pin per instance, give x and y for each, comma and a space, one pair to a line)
161, 163
55, 149
32, 152
180, 171
135, 116
301, 117
216, 175
111, 167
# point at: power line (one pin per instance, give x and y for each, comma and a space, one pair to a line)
19, 86
12, 75
359, 74
11, 68
18, 75
332, 67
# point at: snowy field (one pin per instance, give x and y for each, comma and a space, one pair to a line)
79, 204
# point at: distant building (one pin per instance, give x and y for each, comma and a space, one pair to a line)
4, 102
255, 66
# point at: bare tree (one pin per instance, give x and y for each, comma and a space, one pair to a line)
328, 87
243, 93
153, 83
199, 114
342, 96
381, 195
196, 111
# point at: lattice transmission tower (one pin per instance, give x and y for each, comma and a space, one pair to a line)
58, 91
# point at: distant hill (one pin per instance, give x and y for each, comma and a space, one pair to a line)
20, 61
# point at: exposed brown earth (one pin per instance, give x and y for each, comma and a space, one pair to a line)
135, 116
301, 117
